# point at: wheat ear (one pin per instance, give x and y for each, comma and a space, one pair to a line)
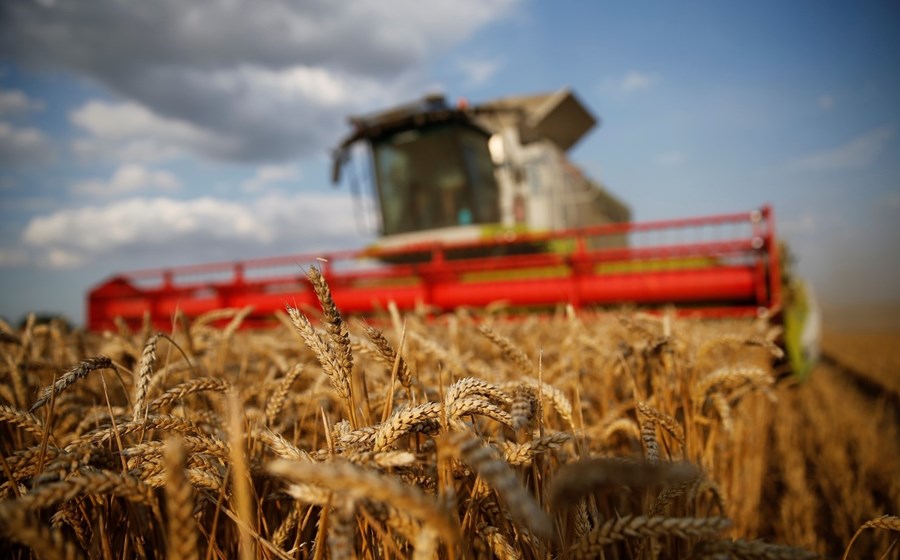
387, 354
21, 419
278, 396
575, 480
510, 350
332, 367
750, 550
889, 522
334, 324
70, 377
195, 385
643, 527
490, 466
144, 373
357, 483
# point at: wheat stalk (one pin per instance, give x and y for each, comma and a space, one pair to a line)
182, 537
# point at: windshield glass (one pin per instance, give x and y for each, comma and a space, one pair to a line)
435, 177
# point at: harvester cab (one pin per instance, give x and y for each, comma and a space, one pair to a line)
463, 173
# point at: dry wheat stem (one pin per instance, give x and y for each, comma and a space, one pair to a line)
240, 477
181, 536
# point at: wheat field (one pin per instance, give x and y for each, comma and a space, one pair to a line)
474, 434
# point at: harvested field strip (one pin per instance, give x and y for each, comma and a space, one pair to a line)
873, 355
837, 454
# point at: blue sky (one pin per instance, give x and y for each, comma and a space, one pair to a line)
167, 132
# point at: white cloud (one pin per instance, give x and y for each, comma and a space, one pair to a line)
61, 258
13, 101
165, 225
131, 132
632, 82
670, 158
637, 81
22, 146
238, 80
478, 71
128, 179
856, 153
826, 102
268, 175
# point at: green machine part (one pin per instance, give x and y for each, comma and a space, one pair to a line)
802, 327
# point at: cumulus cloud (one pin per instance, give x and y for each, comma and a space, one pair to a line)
163, 225
259, 81
268, 175
131, 132
13, 101
478, 71
856, 153
826, 102
128, 179
20, 146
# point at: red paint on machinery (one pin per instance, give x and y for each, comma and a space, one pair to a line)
714, 266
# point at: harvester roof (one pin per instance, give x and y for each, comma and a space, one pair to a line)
558, 116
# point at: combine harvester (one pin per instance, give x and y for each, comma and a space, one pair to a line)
478, 205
